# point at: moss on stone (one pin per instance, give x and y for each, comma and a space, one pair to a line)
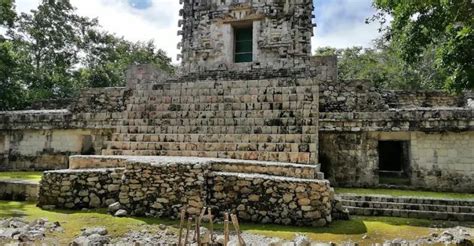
30, 176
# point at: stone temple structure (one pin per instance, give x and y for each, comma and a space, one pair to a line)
242, 127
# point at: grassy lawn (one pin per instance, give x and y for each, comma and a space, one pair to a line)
413, 193
377, 229
30, 176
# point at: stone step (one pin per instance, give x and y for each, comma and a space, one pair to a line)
210, 146
405, 213
409, 206
407, 199
217, 165
269, 168
305, 113
220, 121
209, 138
256, 96
221, 86
219, 129
302, 158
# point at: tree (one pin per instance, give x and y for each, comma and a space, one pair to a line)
50, 39
11, 92
52, 52
7, 12
441, 27
382, 66
109, 56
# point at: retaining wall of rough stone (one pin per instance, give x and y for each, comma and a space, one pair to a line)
76, 189
270, 199
154, 186
163, 189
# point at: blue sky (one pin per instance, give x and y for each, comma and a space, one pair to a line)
341, 23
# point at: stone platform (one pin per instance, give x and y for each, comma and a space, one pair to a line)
409, 207
258, 191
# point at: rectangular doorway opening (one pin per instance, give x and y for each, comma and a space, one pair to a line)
394, 163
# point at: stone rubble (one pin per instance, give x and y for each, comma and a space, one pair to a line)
16, 230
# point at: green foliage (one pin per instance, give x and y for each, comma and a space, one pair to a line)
52, 52
443, 26
7, 12
109, 56
384, 68
12, 91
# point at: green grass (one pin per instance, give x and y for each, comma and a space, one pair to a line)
30, 176
413, 193
378, 229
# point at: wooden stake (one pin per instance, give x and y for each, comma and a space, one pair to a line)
211, 225
235, 221
181, 224
197, 238
198, 226
226, 228
188, 227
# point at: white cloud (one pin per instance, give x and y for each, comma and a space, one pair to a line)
341, 23
159, 22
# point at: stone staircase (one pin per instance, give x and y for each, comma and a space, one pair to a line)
264, 120
409, 207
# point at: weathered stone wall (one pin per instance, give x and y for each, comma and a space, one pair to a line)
18, 190
362, 96
350, 96
44, 139
281, 33
45, 149
443, 161
163, 189
91, 188
349, 158
108, 99
430, 99
438, 161
267, 199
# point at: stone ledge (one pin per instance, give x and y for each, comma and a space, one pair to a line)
270, 177
79, 162
407, 199
19, 190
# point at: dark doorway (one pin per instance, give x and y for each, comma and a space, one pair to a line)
394, 162
243, 44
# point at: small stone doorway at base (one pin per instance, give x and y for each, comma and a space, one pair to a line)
394, 163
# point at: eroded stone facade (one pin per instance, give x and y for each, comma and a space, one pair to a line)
281, 34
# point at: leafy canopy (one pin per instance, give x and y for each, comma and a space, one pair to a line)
385, 69
445, 26
52, 52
